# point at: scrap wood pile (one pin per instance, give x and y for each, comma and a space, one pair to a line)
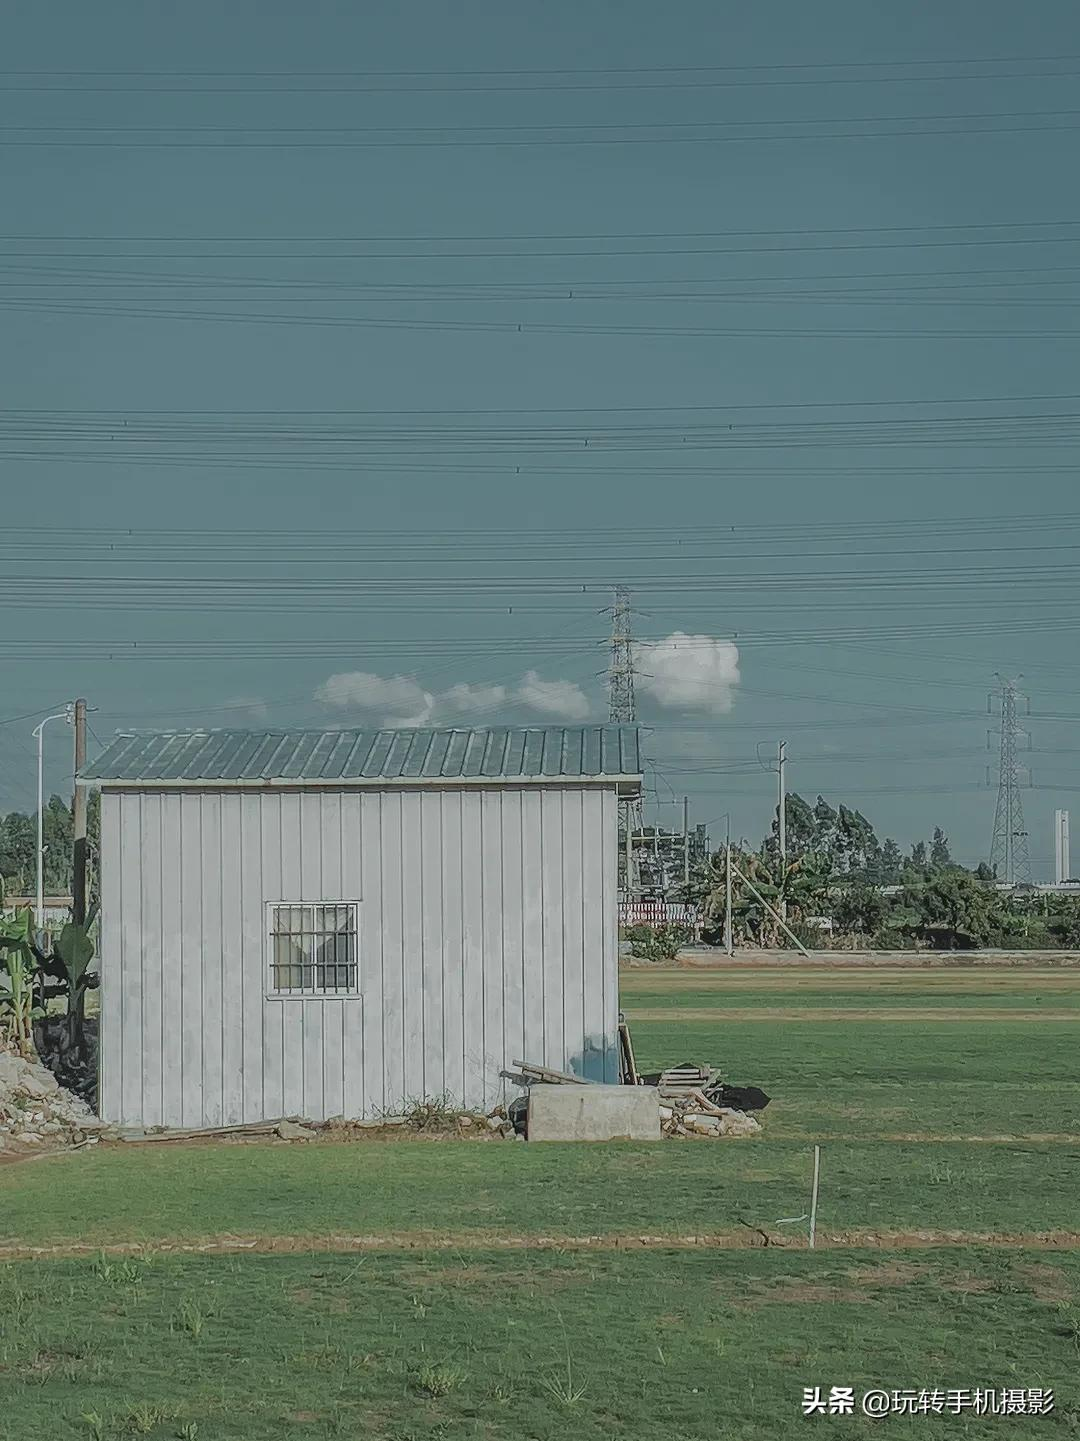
691, 1104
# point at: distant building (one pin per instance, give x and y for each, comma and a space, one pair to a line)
57, 908
327, 923
1062, 863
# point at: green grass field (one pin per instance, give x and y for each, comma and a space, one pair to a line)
429, 1289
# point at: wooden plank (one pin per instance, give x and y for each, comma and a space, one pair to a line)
545, 1073
628, 1067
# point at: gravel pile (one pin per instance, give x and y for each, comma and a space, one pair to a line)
35, 1110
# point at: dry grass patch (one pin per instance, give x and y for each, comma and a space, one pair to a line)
1047, 1283
889, 1273
786, 1292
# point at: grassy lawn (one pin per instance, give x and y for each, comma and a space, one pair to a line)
381, 1347
463, 1314
989, 1074
458, 1190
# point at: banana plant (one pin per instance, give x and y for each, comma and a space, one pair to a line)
74, 950
801, 885
19, 964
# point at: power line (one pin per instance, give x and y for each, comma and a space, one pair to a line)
121, 416
148, 311
800, 233
517, 73
541, 135
30, 715
527, 81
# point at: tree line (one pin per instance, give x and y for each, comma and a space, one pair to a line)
840, 885
18, 846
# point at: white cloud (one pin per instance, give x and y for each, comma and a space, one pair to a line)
405, 704
689, 672
561, 699
367, 691
421, 717
465, 699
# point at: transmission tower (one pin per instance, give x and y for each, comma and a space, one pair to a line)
622, 710
1009, 857
621, 706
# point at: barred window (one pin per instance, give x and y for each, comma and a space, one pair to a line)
313, 949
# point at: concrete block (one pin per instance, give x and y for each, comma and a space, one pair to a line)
594, 1113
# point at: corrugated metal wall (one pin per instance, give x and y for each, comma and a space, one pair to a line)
487, 932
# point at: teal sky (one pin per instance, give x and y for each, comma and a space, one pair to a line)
385, 339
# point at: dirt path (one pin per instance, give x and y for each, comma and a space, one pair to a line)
709, 958
741, 1239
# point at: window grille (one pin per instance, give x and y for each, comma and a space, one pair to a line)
313, 949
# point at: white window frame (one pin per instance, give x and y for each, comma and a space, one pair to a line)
305, 994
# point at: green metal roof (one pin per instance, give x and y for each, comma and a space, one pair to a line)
376, 757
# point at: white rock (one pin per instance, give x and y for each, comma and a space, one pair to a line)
738, 1123
703, 1125
38, 1084
290, 1131
11, 1069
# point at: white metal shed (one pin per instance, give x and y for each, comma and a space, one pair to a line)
327, 923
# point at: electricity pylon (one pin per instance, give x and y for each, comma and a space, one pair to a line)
1009, 857
622, 710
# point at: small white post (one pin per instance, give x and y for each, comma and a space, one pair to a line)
813, 1198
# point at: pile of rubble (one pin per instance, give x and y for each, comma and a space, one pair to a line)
694, 1103
36, 1111
695, 1115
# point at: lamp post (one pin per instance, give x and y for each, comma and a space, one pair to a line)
39, 733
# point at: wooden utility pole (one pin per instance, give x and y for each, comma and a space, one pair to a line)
781, 814
729, 931
781, 807
78, 810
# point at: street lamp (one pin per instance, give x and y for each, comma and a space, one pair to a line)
68, 714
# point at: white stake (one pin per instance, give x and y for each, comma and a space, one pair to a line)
813, 1198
